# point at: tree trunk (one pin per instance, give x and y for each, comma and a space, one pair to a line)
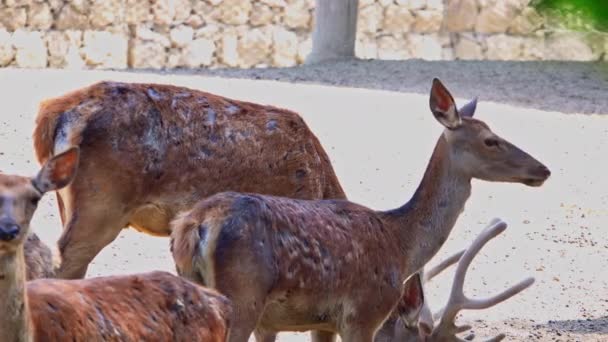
335, 30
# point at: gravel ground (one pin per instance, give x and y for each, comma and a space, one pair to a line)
380, 141
568, 87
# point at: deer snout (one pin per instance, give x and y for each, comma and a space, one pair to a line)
9, 230
542, 172
537, 176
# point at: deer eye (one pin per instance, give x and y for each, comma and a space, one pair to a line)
491, 142
34, 200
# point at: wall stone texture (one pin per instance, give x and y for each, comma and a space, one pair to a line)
117, 34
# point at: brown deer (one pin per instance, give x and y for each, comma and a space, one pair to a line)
149, 151
154, 306
333, 265
409, 325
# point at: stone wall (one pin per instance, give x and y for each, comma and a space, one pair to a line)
241, 33
469, 30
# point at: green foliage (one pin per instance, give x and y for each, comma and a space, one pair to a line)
581, 15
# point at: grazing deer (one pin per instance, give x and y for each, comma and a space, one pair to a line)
415, 327
149, 151
333, 265
412, 310
154, 306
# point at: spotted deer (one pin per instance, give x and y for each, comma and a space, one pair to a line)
149, 151
333, 265
416, 323
143, 307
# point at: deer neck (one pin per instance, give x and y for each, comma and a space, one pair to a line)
15, 325
426, 220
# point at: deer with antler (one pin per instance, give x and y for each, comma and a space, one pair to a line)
155, 306
149, 151
412, 320
333, 265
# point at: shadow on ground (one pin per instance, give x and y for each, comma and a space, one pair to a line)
582, 326
567, 87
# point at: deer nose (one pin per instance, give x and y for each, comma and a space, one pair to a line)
544, 171
8, 230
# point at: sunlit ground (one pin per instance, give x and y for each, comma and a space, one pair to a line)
379, 143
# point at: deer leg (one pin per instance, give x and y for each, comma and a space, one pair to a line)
357, 334
88, 230
248, 299
264, 336
322, 336
246, 315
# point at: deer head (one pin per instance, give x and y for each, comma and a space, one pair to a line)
417, 322
19, 196
478, 151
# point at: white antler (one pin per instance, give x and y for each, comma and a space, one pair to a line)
459, 301
440, 267
425, 317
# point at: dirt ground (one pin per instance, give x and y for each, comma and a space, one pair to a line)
380, 141
567, 87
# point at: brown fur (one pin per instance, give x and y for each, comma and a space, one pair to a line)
333, 265
149, 151
38, 258
154, 306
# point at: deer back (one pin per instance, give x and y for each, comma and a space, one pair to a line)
159, 141
149, 306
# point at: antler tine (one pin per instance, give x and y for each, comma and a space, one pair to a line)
477, 304
457, 300
435, 270
426, 319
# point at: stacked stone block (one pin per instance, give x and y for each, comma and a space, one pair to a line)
158, 34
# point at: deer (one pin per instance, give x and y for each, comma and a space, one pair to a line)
139, 307
333, 265
414, 321
149, 151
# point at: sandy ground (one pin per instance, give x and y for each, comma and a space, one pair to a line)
379, 143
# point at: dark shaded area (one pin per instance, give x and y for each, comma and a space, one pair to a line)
569, 87
579, 326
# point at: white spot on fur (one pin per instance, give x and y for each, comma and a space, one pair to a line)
232, 109
211, 116
153, 94
151, 141
177, 97
348, 256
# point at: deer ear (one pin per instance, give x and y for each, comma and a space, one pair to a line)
468, 110
412, 300
443, 106
58, 171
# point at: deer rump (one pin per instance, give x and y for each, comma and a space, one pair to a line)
156, 148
